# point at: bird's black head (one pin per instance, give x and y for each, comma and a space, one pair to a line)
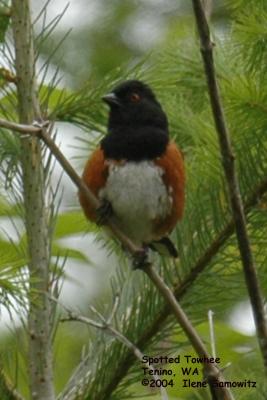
133, 103
137, 127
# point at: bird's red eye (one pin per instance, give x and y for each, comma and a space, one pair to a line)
135, 98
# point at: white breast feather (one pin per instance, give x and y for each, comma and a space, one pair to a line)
138, 196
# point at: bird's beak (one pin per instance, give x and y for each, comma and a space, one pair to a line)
111, 99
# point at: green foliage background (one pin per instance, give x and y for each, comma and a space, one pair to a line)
209, 274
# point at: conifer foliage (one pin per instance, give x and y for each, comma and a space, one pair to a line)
208, 275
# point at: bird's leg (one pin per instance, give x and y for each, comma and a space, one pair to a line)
140, 258
104, 212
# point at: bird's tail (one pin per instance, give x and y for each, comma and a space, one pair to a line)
165, 247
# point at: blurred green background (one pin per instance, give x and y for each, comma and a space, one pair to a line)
108, 34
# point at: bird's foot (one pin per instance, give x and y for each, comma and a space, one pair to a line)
140, 259
104, 212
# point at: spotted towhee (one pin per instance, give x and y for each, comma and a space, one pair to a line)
137, 171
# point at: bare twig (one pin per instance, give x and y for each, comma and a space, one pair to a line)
151, 273
6, 389
211, 371
228, 162
38, 129
106, 326
212, 336
21, 128
181, 289
114, 309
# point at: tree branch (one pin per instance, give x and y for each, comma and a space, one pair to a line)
46, 137
39, 322
211, 372
212, 335
181, 289
228, 162
7, 392
200, 265
26, 129
106, 326
34, 147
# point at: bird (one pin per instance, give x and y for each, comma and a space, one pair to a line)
137, 172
